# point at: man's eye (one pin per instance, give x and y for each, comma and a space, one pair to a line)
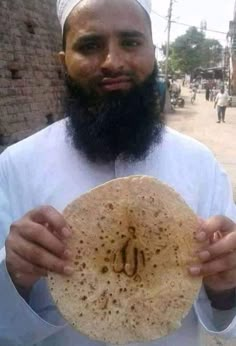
130, 43
89, 47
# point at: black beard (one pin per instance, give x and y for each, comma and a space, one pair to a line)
125, 124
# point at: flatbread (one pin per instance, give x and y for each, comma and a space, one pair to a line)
133, 239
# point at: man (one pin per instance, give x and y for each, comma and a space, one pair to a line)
213, 94
221, 101
175, 88
207, 93
113, 129
193, 94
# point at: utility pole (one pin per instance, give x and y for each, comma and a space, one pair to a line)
168, 37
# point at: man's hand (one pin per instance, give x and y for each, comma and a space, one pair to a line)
217, 253
36, 245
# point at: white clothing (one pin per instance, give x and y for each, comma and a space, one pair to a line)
222, 100
175, 87
65, 7
45, 169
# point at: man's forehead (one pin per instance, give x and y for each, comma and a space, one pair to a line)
65, 7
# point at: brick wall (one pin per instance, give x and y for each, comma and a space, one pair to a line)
31, 78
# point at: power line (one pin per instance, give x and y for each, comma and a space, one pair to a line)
184, 24
209, 30
159, 15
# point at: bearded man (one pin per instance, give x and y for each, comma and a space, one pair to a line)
113, 128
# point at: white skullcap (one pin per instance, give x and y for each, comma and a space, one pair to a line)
65, 7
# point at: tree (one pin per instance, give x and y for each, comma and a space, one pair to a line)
162, 67
186, 51
193, 50
212, 52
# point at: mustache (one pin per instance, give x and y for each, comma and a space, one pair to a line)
109, 74
113, 75
117, 74
75, 91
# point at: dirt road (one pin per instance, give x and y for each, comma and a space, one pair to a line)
199, 121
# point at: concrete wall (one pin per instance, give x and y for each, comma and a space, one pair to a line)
233, 76
31, 79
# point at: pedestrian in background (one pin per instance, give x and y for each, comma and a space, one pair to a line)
207, 93
221, 101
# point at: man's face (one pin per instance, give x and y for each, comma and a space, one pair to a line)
108, 46
112, 98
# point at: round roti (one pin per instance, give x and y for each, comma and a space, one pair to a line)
132, 243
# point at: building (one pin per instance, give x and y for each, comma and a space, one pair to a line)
31, 78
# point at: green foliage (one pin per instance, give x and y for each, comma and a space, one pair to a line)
193, 50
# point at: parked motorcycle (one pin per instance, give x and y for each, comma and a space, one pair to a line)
177, 100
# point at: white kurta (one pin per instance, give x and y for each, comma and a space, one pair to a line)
44, 169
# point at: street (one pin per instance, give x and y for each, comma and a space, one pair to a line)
199, 121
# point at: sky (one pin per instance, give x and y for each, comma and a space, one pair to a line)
216, 13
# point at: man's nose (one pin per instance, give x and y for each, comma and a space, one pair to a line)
114, 60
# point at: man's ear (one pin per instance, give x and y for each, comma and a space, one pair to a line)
62, 58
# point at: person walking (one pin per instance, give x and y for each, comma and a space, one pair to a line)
221, 101
193, 94
207, 93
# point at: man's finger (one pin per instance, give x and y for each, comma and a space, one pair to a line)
216, 266
51, 217
215, 224
38, 256
16, 265
220, 248
38, 234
